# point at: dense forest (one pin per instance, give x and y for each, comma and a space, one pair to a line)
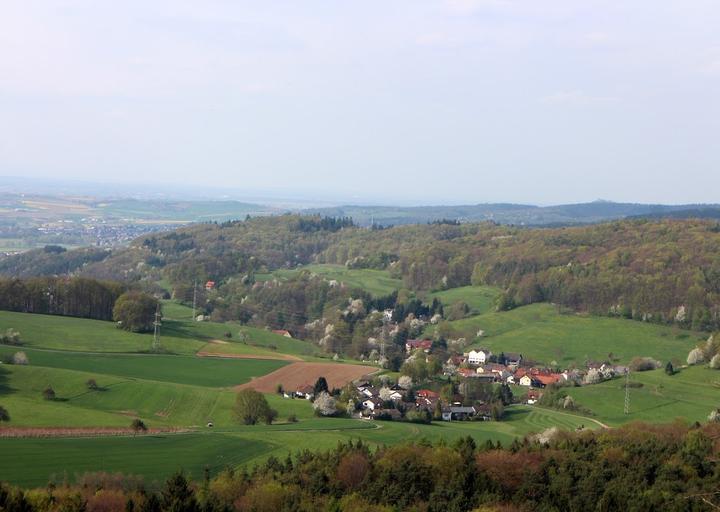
665, 271
77, 296
638, 467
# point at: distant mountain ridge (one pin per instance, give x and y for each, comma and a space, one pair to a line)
518, 214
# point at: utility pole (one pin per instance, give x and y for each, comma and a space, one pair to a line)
194, 299
156, 333
627, 392
383, 338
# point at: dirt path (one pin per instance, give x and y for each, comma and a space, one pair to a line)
279, 357
296, 375
6, 432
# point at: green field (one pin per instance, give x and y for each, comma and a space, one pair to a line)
198, 371
689, 394
481, 299
30, 462
182, 390
178, 335
375, 282
541, 333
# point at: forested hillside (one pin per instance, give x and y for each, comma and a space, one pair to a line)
664, 271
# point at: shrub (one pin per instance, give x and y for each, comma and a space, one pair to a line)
11, 337
138, 425
4, 414
48, 393
292, 418
643, 364
20, 358
92, 385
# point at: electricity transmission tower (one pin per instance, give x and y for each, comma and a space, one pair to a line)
383, 339
156, 332
627, 392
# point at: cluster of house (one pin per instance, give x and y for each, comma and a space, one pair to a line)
476, 364
425, 400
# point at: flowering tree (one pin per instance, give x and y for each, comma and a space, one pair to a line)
695, 356
325, 405
405, 382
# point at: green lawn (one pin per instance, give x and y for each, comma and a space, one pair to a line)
481, 299
376, 282
541, 333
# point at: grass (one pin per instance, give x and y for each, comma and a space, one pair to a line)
541, 333
81, 334
375, 282
178, 335
211, 372
31, 462
481, 299
690, 394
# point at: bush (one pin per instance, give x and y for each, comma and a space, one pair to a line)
4, 414
138, 425
643, 364
92, 385
292, 418
20, 358
48, 393
11, 337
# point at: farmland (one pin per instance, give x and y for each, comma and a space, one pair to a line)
180, 390
32, 461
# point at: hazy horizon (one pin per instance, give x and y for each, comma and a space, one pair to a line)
443, 102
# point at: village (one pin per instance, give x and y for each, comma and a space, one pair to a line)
474, 386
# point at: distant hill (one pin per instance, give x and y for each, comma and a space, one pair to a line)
518, 214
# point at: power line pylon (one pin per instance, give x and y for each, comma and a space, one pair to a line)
156, 332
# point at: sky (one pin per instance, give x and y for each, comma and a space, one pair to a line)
407, 101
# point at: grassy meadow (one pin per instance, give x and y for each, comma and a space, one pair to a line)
376, 282
543, 334
690, 394
480, 299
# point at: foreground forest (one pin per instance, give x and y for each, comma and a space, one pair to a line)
637, 467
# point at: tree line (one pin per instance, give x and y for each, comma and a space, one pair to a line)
76, 296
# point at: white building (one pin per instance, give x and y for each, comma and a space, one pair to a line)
479, 356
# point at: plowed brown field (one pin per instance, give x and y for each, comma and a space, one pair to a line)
296, 375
